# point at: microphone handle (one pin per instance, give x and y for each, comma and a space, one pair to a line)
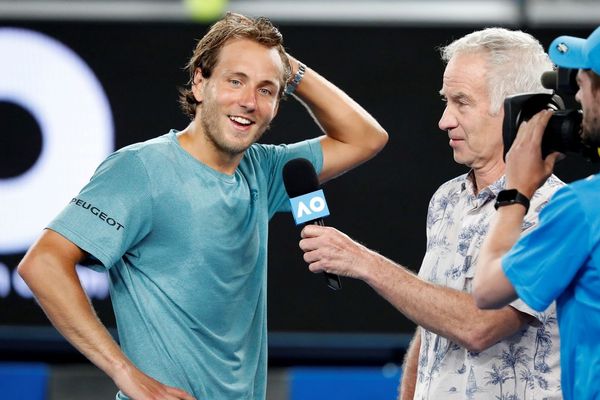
333, 280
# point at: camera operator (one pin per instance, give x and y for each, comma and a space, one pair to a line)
560, 259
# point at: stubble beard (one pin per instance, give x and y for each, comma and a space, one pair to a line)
591, 131
212, 131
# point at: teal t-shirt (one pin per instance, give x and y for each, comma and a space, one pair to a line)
185, 247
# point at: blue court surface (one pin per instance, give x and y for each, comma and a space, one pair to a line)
364, 383
29, 381
23, 381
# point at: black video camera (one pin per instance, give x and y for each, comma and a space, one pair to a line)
563, 132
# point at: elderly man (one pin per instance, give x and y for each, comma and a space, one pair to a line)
460, 351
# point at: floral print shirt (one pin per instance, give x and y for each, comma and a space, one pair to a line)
525, 366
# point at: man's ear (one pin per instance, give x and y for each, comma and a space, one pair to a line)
198, 85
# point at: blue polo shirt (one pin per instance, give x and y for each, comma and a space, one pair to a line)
560, 260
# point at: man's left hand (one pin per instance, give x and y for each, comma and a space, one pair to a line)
526, 171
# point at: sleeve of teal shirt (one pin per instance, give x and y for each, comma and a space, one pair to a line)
112, 212
543, 263
274, 163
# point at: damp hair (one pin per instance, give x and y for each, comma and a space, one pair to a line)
206, 53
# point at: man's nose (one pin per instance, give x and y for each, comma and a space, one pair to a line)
447, 121
248, 99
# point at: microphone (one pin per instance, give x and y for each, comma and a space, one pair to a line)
549, 79
307, 200
563, 81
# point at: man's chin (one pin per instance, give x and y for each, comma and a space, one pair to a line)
234, 151
237, 144
460, 159
237, 148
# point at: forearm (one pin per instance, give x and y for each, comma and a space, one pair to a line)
447, 312
49, 268
340, 116
352, 134
490, 286
526, 171
504, 233
62, 298
410, 368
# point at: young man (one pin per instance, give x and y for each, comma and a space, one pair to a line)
460, 351
180, 223
560, 259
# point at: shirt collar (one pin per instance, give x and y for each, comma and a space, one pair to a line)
484, 195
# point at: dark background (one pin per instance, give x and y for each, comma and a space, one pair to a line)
394, 72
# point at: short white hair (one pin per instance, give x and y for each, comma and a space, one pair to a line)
516, 61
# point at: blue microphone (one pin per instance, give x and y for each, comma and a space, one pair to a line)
307, 200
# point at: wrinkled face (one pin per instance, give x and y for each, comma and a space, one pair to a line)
590, 103
240, 99
475, 135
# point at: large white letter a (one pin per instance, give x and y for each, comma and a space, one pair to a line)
302, 209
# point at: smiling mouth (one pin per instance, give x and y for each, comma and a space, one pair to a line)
240, 120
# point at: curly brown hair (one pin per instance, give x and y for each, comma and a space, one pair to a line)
206, 53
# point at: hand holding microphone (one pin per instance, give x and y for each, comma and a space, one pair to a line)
307, 200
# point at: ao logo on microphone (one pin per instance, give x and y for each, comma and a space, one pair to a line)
309, 207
